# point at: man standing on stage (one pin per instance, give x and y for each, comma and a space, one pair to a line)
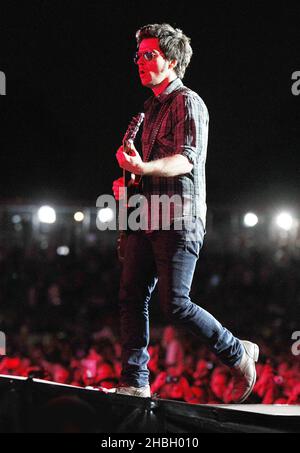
176, 166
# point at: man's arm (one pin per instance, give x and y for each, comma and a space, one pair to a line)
175, 165
168, 166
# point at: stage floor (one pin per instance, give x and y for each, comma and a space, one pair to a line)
25, 405
265, 409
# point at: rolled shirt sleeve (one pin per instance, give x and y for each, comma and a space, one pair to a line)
190, 126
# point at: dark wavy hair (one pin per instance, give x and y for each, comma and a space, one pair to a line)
172, 41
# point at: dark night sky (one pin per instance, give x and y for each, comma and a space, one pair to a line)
72, 89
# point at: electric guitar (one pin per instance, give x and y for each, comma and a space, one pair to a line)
132, 184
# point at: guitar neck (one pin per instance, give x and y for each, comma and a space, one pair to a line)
129, 178
131, 181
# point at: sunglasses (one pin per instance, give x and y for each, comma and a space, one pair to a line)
148, 55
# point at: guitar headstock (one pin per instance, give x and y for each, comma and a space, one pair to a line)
133, 127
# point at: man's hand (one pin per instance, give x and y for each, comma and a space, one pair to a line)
131, 163
118, 188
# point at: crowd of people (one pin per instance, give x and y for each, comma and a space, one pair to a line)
60, 317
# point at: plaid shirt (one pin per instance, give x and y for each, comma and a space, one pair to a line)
184, 130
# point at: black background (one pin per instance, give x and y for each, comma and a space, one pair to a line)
72, 88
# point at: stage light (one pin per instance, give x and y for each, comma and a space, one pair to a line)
63, 250
47, 214
79, 216
16, 219
285, 221
250, 220
106, 215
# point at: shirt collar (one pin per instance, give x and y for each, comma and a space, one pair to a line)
174, 85
177, 83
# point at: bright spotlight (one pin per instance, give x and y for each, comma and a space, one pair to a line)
79, 216
106, 215
250, 220
47, 214
285, 221
63, 250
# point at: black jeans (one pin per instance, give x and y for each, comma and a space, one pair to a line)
168, 258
